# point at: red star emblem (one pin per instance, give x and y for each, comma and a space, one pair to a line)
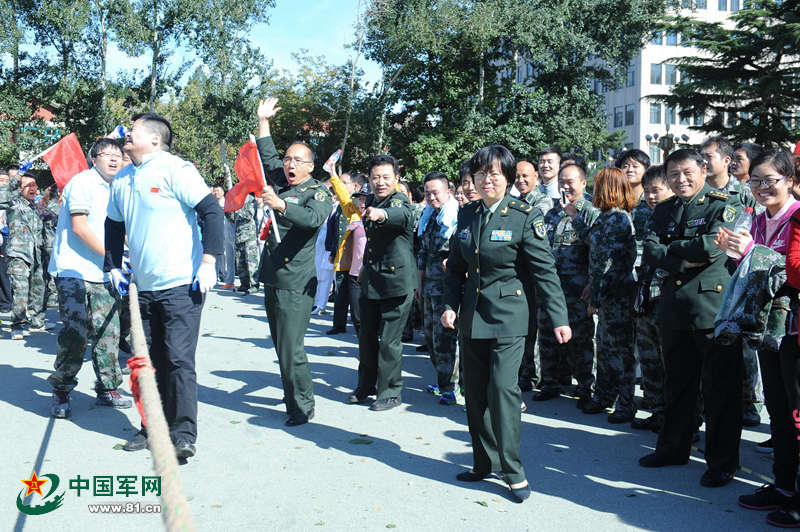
34, 484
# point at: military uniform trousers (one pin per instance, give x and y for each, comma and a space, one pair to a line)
493, 397
246, 261
88, 312
171, 320
689, 357
616, 365
289, 312
752, 396
781, 374
50, 282
576, 357
651, 361
28, 285
380, 349
442, 344
527, 370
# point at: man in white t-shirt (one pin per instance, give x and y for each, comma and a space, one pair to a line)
86, 300
163, 206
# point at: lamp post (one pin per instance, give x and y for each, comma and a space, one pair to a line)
666, 142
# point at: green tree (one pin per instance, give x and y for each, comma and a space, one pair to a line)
451, 72
746, 83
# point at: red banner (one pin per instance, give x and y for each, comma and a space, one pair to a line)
248, 170
66, 160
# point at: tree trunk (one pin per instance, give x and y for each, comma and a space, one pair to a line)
156, 45
103, 54
352, 82
481, 76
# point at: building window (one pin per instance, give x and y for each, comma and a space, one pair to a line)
701, 4
734, 5
655, 113
657, 39
629, 114
699, 119
669, 115
618, 116
723, 5
630, 76
685, 119
655, 74
686, 3
671, 74
672, 38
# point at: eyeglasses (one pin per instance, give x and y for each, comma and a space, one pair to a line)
769, 181
111, 156
296, 160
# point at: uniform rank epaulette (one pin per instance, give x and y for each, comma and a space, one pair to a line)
520, 206
717, 194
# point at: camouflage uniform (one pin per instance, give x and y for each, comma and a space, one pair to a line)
647, 337
246, 253
741, 196
568, 240
24, 261
434, 248
612, 282
48, 236
527, 370
416, 311
86, 309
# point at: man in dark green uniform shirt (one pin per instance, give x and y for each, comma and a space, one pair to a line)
388, 279
680, 241
301, 205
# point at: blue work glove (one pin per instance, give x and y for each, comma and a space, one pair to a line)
120, 281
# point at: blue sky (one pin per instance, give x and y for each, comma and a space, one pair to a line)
323, 27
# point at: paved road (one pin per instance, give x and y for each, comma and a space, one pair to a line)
350, 468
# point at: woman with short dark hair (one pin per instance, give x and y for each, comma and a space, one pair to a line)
499, 240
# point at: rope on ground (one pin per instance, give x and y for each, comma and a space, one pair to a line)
175, 509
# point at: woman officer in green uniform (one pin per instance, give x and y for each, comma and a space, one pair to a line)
499, 241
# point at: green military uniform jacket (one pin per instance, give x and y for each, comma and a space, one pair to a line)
390, 269
538, 199
683, 232
488, 267
25, 228
290, 264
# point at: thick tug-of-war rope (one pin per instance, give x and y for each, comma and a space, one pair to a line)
174, 508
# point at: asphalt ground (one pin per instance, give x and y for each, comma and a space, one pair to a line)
349, 468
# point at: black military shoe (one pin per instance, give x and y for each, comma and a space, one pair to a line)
335, 330
385, 404
650, 423
618, 416
359, 397
788, 517
471, 476
299, 419
660, 460
184, 449
594, 407
545, 394
715, 479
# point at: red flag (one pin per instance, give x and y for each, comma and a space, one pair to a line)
251, 179
66, 159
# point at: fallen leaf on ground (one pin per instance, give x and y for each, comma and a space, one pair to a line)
482, 503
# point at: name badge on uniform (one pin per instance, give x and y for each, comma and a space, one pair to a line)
463, 234
499, 235
291, 199
696, 222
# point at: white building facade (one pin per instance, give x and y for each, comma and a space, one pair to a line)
650, 72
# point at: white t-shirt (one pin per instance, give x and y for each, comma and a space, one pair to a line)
86, 193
